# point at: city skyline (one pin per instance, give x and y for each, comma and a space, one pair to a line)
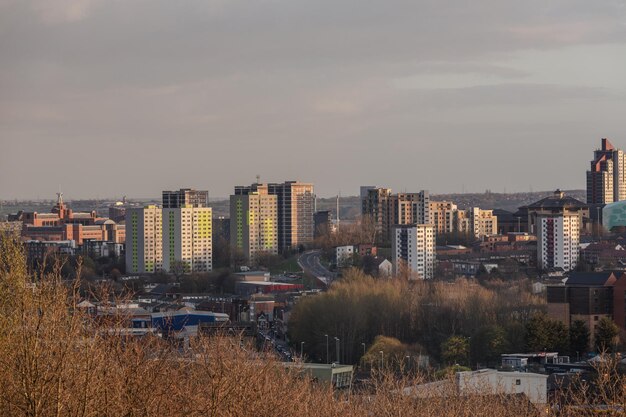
127, 99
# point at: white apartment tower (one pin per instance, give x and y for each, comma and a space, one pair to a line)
144, 252
483, 222
414, 247
558, 237
187, 238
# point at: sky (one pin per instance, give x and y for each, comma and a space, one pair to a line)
105, 98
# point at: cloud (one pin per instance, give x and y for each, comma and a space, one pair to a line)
254, 83
62, 11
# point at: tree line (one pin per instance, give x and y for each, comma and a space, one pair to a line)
454, 322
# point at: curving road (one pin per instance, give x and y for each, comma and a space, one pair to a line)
309, 261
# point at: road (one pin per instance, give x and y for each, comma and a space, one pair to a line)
309, 261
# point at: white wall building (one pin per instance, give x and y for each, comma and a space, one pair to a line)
144, 250
483, 222
343, 255
187, 237
385, 269
414, 246
489, 381
558, 237
486, 382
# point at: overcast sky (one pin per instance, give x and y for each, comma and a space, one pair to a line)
106, 98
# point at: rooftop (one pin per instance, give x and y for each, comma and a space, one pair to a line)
558, 200
589, 278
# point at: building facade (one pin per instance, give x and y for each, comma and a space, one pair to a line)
442, 216
185, 197
322, 223
295, 204
606, 178
558, 237
254, 222
558, 203
483, 222
187, 239
62, 223
589, 297
144, 244
413, 247
614, 215
375, 206
386, 210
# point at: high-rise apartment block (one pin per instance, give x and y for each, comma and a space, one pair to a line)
295, 207
375, 207
442, 214
482, 222
557, 221
177, 237
187, 239
387, 210
413, 247
185, 197
606, 180
254, 221
322, 221
558, 237
448, 218
144, 250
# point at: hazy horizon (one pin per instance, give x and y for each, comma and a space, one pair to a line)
69, 198
113, 98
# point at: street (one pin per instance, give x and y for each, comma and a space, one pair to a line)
309, 261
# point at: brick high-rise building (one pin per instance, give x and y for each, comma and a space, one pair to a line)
606, 179
589, 296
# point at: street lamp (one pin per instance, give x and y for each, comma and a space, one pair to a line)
301, 349
363, 344
382, 359
337, 348
326, 348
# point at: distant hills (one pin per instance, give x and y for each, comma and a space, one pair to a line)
349, 207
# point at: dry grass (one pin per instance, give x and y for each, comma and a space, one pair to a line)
57, 361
